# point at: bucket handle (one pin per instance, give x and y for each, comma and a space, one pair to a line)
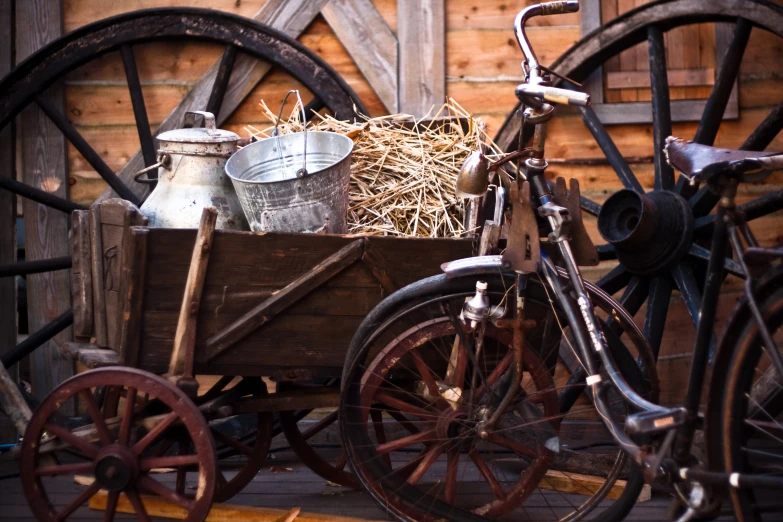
276, 134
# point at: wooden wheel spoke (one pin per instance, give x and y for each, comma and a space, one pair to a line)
401, 405
657, 308
172, 461
689, 290
180, 483
151, 485
64, 469
702, 254
516, 447
244, 449
610, 150
315, 105
111, 506
496, 373
80, 499
429, 459
342, 460
216, 388
138, 506
154, 433
615, 280
97, 417
634, 295
84, 148
40, 196
425, 373
763, 135
661, 109
403, 421
404, 442
380, 433
406, 469
139, 108
221, 80
89, 450
452, 469
127, 416
221, 478
320, 426
485, 472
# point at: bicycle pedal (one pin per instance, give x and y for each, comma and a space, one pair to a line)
649, 422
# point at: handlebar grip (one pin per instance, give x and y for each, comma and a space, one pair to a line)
554, 95
560, 7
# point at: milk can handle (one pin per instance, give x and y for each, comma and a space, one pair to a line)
276, 134
189, 121
164, 160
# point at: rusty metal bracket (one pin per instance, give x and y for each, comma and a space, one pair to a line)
582, 246
523, 251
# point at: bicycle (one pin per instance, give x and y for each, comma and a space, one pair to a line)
469, 363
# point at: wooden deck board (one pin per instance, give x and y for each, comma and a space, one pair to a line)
298, 488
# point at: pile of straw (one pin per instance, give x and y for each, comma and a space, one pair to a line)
402, 176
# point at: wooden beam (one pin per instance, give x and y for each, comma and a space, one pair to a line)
157, 507
293, 292
7, 210
183, 355
422, 70
44, 166
297, 399
587, 485
380, 267
677, 78
370, 42
289, 16
81, 273
133, 267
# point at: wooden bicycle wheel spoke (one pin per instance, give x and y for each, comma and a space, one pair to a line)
657, 308
426, 463
90, 450
452, 469
84, 148
154, 433
244, 449
138, 506
97, 417
342, 460
139, 108
127, 416
172, 461
221, 478
485, 472
64, 469
380, 433
605, 142
320, 426
404, 442
83, 497
403, 421
516, 447
111, 506
425, 373
615, 280
497, 371
763, 135
661, 110
221, 80
403, 406
151, 485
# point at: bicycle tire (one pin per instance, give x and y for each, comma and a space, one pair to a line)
402, 300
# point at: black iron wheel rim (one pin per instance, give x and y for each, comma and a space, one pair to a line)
682, 265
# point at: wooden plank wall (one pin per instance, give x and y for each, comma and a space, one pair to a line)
43, 165
482, 69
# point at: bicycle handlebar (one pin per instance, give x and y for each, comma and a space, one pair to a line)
554, 94
545, 9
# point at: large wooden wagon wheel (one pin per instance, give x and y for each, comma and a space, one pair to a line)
666, 246
115, 450
26, 84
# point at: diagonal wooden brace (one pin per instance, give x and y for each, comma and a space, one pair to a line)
279, 301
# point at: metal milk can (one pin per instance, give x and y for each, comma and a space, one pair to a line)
191, 176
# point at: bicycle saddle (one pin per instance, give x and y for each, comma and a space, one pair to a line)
702, 162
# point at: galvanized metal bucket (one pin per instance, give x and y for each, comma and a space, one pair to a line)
282, 188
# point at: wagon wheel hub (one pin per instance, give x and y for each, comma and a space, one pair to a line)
116, 467
650, 232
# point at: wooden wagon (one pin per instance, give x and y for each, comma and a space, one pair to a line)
189, 304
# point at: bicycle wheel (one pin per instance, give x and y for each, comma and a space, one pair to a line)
753, 406
412, 402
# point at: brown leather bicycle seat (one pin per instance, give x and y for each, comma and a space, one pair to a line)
701, 161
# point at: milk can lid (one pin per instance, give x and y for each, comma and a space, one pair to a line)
190, 134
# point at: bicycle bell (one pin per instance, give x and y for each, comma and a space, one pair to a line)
191, 176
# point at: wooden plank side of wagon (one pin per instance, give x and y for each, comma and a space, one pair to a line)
246, 269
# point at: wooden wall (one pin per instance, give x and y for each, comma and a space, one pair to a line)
482, 69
